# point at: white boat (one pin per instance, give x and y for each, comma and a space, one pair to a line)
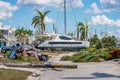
60, 42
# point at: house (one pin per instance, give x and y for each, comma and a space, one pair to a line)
7, 34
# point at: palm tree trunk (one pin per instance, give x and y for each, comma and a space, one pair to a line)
77, 35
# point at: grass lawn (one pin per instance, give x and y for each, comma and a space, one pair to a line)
9, 74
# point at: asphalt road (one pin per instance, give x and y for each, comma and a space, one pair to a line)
85, 71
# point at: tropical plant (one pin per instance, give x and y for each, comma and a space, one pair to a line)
23, 34
28, 36
86, 56
80, 30
66, 58
95, 42
39, 21
99, 44
86, 29
109, 42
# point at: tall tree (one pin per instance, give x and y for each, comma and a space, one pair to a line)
28, 36
80, 31
39, 20
22, 34
86, 29
109, 41
95, 42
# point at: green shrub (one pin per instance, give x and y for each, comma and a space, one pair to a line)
7, 54
91, 50
78, 59
66, 58
88, 55
28, 59
31, 59
95, 59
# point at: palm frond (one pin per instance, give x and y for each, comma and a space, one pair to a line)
39, 12
46, 13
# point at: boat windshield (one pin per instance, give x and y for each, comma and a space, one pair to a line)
64, 38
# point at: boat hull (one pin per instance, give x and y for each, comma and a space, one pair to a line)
63, 43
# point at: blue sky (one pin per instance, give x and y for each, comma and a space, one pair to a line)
103, 15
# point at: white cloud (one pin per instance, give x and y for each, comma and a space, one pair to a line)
93, 9
54, 3
49, 20
1, 23
109, 5
76, 3
6, 10
110, 33
118, 31
118, 22
104, 20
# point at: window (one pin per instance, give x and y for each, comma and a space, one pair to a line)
64, 38
65, 42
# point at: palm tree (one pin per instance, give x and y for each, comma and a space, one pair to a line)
86, 30
38, 20
80, 30
22, 34
109, 41
96, 42
29, 34
19, 33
